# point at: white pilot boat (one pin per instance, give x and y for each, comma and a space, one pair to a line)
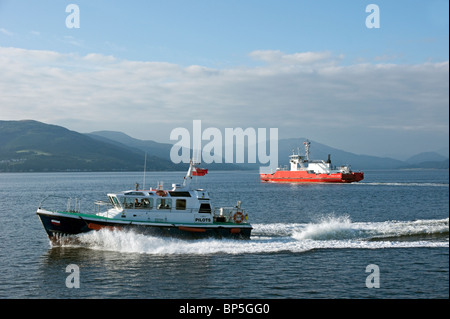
180, 212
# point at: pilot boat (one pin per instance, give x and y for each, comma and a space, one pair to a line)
181, 211
305, 170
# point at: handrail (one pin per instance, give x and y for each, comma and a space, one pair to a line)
77, 202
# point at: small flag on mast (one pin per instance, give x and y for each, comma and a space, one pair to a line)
199, 171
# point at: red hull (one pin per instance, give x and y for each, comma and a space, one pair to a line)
305, 177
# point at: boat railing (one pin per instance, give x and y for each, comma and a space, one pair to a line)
101, 206
69, 204
61, 203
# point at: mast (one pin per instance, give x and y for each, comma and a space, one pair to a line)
145, 170
307, 142
188, 177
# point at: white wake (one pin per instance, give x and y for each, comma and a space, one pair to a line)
330, 232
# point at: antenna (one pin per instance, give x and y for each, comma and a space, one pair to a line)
307, 142
145, 169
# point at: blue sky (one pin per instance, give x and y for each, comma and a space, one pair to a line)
296, 65
222, 33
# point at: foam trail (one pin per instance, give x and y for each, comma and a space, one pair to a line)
342, 228
411, 229
332, 228
131, 242
403, 184
330, 232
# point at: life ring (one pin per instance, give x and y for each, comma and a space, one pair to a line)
238, 217
161, 193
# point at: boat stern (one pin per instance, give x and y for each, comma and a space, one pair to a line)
353, 177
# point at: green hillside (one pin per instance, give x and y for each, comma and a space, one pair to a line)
35, 146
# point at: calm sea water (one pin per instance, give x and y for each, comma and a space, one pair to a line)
309, 241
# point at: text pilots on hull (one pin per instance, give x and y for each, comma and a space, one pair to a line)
304, 170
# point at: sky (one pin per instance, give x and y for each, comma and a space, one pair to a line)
312, 69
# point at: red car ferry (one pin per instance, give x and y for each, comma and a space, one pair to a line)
304, 170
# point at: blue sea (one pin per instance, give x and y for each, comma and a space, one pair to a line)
386, 237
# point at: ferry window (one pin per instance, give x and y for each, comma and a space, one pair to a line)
164, 203
205, 209
181, 204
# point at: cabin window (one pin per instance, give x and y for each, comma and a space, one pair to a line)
180, 204
135, 193
128, 202
115, 202
164, 203
145, 203
205, 209
138, 203
179, 194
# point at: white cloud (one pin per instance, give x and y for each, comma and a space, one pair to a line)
276, 56
303, 94
6, 32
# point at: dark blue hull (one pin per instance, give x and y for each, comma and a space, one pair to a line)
58, 226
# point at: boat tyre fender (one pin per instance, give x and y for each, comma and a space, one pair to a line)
238, 217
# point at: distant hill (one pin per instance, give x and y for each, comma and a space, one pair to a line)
430, 164
425, 157
427, 160
153, 148
359, 162
161, 150
35, 146
338, 157
320, 151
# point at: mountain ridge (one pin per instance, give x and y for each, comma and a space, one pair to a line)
318, 151
30, 145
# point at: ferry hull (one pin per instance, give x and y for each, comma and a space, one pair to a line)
61, 225
305, 177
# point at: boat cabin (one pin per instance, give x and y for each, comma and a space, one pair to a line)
160, 200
